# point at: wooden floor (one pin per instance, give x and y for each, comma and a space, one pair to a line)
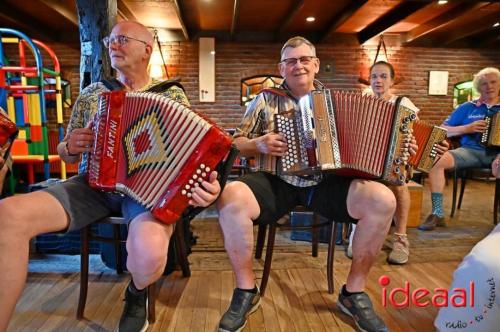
296, 298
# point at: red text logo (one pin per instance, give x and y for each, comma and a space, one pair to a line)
439, 297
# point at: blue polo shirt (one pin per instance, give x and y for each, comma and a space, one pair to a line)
467, 113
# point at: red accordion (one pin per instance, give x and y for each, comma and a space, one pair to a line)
348, 133
8, 133
427, 136
154, 150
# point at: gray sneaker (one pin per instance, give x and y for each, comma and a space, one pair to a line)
400, 249
135, 313
360, 308
242, 305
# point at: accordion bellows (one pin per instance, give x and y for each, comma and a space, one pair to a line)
347, 133
427, 136
154, 150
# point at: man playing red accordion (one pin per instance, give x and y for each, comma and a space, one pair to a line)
73, 204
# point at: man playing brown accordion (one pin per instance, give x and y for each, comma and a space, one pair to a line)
73, 204
264, 197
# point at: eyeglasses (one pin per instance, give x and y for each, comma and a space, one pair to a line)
120, 39
305, 60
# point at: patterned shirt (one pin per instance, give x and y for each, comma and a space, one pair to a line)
259, 120
86, 107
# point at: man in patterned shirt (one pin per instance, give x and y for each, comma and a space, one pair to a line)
264, 197
73, 204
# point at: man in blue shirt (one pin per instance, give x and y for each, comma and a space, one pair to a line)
466, 121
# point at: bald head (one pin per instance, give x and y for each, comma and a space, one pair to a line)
134, 30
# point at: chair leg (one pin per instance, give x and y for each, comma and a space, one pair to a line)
269, 258
454, 199
329, 261
315, 235
118, 250
180, 247
152, 303
462, 188
261, 237
496, 201
84, 271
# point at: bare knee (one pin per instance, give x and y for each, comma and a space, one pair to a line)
237, 200
146, 256
11, 222
368, 198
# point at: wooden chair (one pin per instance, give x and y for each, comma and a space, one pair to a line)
261, 235
116, 240
465, 174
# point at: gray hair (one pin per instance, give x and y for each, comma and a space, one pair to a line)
481, 75
296, 42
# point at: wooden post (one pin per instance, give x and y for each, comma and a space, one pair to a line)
96, 19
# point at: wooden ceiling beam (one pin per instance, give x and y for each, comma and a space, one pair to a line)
442, 20
236, 13
288, 18
29, 24
398, 13
125, 12
62, 10
341, 18
178, 10
482, 24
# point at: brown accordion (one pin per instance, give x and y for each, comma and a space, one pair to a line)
348, 133
491, 137
427, 136
154, 150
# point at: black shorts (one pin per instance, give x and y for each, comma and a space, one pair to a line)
277, 197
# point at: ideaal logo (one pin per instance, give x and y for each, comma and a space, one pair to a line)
459, 297
441, 297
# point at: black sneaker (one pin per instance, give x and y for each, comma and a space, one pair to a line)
360, 308
242, 305
135, 313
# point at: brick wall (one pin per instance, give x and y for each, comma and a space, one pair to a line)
235, 61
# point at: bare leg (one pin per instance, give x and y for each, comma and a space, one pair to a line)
147, 248
23, 217
436, 174
403, 202
373, 204
237, 208
495, 167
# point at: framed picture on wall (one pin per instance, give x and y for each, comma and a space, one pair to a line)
438, 82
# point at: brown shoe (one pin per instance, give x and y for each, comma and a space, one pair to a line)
431, 222
400, 249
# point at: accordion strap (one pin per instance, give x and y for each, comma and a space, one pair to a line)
165, 85
276, 91
398, 100
114, 84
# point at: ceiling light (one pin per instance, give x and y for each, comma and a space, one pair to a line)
311, 19
212, 52
442, 2
496, 24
